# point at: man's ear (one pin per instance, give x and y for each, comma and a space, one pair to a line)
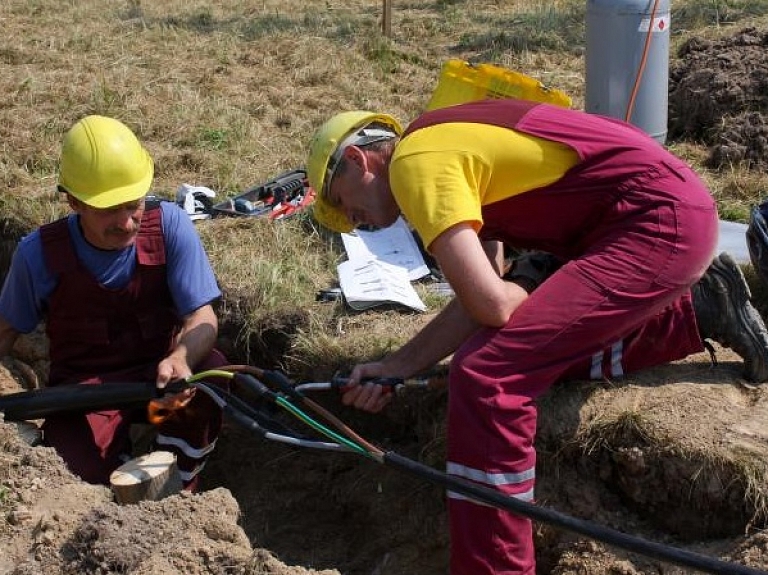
74, 203
356, 156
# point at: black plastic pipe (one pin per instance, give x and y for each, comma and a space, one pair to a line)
591, 530
80, 397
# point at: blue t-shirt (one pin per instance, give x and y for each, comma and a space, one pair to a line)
28, 285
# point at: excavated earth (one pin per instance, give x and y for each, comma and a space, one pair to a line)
719, 95
677, 454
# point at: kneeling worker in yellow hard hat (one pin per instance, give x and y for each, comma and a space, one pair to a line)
633, 227
125, 289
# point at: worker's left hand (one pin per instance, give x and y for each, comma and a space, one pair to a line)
171, 368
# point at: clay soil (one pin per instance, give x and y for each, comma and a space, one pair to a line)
677, 454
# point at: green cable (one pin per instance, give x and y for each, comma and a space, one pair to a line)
285, 404
210, 373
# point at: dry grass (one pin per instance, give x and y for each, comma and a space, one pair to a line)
649, 433
227, 94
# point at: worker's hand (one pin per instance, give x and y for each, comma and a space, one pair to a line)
367, 396
171, 368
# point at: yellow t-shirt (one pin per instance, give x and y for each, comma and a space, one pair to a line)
444, 174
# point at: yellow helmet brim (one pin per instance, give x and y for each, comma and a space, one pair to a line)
331, 217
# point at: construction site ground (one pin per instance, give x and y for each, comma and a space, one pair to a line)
675, 454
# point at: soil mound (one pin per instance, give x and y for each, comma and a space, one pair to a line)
719, 96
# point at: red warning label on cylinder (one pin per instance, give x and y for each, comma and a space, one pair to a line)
660, 24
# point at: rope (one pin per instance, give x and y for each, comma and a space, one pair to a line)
641, 68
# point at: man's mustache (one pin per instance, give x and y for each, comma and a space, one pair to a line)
122, 231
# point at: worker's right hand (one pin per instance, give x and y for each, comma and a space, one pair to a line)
367, 396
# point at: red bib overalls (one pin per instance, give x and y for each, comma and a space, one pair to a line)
100, 335
637, 228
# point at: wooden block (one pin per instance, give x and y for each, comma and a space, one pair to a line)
146, 478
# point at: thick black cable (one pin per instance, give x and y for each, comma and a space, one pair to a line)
82, 397
580, 526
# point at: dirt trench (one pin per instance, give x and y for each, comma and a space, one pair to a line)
617, 454
670, 455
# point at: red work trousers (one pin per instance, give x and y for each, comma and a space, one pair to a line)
621, 305
94, 444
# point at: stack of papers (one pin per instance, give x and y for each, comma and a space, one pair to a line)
372, 283
381, 266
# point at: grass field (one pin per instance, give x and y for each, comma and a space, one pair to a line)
227, 95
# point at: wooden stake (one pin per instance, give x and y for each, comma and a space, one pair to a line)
386, 19
146, 478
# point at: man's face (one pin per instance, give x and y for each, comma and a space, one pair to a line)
112, 228
363, 192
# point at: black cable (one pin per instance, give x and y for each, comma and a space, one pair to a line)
591, 530
240, 409
81, 397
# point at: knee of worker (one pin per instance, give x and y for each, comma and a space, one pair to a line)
472, 378
492, 405
481, 369
507, 361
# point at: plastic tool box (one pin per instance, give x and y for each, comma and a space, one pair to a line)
284, 196
461, 82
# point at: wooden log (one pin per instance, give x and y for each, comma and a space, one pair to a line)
146, 478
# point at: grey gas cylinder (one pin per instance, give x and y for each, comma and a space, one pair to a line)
617, 32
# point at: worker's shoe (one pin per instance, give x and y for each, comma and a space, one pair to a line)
531, 269
724, 314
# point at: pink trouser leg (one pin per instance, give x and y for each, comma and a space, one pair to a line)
626, 298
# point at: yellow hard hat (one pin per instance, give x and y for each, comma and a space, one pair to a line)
103, 164
325, 150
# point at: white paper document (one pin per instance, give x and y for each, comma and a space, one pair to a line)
371, 283
394, 245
